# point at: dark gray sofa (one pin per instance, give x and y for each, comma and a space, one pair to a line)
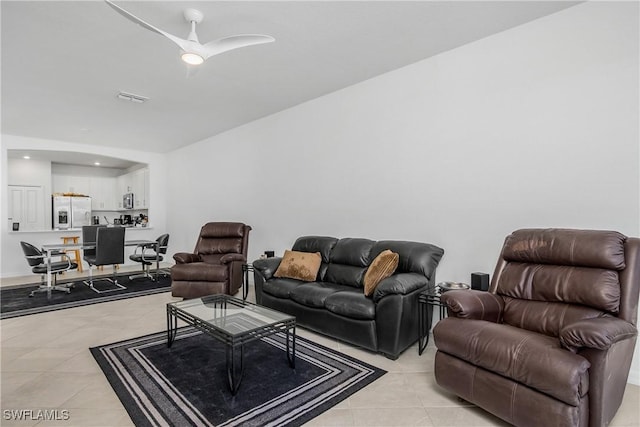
335, 304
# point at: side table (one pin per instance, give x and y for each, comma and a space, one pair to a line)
428, 299
246, 269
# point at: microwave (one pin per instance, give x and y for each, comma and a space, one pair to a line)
127, 201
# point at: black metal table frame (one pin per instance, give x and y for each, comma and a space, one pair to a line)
246, 269
234, 372
428, 299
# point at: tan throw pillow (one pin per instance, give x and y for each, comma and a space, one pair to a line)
299, 265
383, 266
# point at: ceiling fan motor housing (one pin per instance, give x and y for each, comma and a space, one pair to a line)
193, 15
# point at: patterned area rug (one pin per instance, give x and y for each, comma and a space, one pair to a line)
15, 301
186, 385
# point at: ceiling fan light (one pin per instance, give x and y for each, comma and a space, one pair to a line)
192, 58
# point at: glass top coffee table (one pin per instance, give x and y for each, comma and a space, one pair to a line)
233, 322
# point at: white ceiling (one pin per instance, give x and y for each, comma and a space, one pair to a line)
71, 158
63, 62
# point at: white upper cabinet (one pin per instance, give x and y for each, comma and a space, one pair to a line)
71, 184
146, 188
136, 182
103, 193
122, 187
124, 184
140, 184
106, 191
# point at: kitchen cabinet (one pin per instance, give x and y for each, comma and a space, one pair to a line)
103, 193
121, 188
136, 182
59, 183
106, 192
140, 188
146, 188
70, 184
124, 184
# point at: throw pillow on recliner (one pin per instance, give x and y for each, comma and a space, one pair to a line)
299, 265
383, 266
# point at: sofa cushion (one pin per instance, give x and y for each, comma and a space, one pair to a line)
217, 230
314, 294
345, 275
578, 248
280, 288
381, 267
219, 238
591, 287
535, 360
547, 318
352, 304
348, 262
351, 251
299, 265
320, 244
223, 245
199, 271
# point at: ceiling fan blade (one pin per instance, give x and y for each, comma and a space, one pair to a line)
225, 44
177, 40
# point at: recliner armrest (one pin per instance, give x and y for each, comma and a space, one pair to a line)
267, 266
185, 258
473, 304
402, 283
226, 259
599, 333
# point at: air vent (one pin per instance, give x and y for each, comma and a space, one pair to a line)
138, 99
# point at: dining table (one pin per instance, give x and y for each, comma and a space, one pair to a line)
54, 249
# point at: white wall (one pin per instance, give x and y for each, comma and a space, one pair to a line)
13, 263
85, 171
29, 172
533, 127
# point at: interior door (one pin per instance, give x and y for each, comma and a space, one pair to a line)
26, 207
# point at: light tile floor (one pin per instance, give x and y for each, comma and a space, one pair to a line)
46, 364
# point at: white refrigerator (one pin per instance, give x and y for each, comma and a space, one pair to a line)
70, 212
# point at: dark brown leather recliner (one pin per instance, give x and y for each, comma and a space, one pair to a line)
551, 343
215, 266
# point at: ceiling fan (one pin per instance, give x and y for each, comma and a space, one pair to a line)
193, 52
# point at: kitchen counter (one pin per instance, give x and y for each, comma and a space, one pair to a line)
76, 230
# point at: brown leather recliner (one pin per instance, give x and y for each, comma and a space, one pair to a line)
551, 343
215, 266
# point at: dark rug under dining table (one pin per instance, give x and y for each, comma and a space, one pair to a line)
186, 385
15, 300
